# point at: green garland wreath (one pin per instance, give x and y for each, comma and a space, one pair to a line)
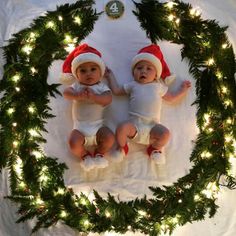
36, 180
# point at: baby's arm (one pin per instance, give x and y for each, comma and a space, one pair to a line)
177, 95
112, 82
102, 99
71, 94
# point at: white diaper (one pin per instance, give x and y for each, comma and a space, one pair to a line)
143, 127
89, 130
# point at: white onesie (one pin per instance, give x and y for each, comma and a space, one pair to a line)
88, 116
145, 107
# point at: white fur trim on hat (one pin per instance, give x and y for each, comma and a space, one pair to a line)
87, 57
148, 57
67, 78
170, 79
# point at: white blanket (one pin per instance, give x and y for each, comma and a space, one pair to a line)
119, 40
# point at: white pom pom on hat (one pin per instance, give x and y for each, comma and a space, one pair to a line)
153, 54
81, 54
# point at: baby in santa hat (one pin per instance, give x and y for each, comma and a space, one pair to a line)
146, 92
84, 69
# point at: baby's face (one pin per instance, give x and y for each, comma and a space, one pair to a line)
144, 72
88, 73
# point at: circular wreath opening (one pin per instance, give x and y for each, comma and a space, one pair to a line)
36, 180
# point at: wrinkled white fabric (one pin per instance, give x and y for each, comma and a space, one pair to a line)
119, 40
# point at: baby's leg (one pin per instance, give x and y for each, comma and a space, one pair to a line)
124, 131
76, 143
159, 136
105, 140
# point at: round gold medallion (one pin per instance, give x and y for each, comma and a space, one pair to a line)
114, 9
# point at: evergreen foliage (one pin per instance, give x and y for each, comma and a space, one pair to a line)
36, 180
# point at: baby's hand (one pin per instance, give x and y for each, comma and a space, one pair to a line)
90, 94
186, 84
108, 73
82, 95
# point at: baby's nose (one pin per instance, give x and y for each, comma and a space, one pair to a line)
143, 70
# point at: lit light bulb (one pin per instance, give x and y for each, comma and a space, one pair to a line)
210, 130
210, 62
211, 190
206, 154
207, 193
175, 220
177, 21
33, 133
16, 78
32, 35
142, 213
17, 89
63, 214
39, 201
68, 38
206, 44
27, 49
44, 169
171, 17
197, 197
199, 36
207, 117
219, 75
60, 191
83, 201
60, 18
43, 178
86, 223
50, 24
33, 70
224, 46
170, 5
10, 111
224, 89
37, 154
14, 124
15, 144
77, 20
227, 102
192, 12
212, 186
22, 185
31, 109
228, 138
195, 12
107, 214
164, 227
70, 47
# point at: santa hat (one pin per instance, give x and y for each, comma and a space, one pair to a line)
153, 54
81, 54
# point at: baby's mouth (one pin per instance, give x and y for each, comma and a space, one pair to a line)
142, 77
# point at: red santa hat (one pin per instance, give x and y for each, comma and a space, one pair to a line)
153, 54
81, 54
